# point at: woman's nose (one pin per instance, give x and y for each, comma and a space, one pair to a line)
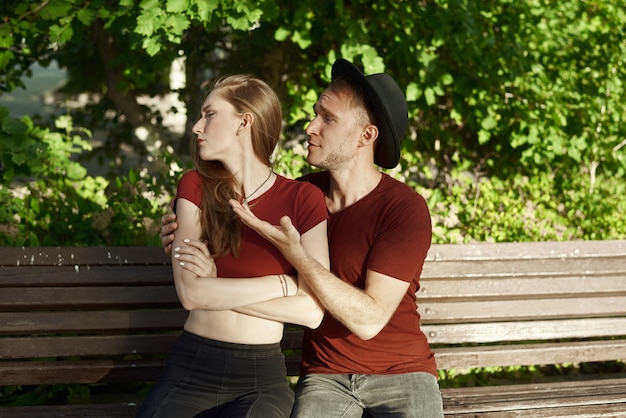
198, 127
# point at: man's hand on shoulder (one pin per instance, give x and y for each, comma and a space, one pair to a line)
168, 227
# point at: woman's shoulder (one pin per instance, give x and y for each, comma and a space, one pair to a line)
297, 186
190, 176
190, 187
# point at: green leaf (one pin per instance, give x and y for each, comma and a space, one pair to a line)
86, 16
177, 24
413, 92
489, 123
302, 38
483, 136
447, 79
13, 127
61, 34
56, 9
429, 95
177, 6
206, 9
76, 171
281, 34
152, 46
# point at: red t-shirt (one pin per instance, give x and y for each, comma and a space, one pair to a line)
302, 202
388, 231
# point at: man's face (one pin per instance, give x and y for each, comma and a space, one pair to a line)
334, 132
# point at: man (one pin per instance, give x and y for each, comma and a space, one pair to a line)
369, 356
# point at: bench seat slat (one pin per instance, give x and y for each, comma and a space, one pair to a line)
113, 410
85, 345
20, 323
514, 310
528, 354
529, 397
610, 410
524, 330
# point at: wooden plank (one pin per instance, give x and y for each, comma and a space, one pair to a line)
614, 410
521, 287
86, 297
529, 354
86, 345
524, 268
519, 310
530, 250
69, 372
60, 256
117, 410
531, 397
524, 330
47, 276
20, 323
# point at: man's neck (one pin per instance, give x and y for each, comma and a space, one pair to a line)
348, 187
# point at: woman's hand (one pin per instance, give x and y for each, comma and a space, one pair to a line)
195, 257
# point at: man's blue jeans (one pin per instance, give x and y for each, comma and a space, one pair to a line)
414, 395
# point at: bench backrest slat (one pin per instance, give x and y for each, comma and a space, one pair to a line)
490, 332
91, 321
87, 275
86, 297
83, 256
468, 288
522, 309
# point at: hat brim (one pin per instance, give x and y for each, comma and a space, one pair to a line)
388, 104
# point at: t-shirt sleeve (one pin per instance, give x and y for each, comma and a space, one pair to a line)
311, 207
403, 240
189, 188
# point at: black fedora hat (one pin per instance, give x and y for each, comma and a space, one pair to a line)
389, 106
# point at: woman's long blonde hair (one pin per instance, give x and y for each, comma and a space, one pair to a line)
220, 226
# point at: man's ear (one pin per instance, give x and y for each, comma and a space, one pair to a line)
369, 135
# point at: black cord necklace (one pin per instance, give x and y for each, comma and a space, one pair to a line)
245, 198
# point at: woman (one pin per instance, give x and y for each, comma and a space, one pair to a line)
228, 361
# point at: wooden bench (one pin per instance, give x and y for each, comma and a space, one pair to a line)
94, 315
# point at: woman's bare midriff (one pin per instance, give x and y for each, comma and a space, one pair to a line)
233, 327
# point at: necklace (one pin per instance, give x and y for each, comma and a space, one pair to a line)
245, 198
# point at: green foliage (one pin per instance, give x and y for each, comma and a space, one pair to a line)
525, 374
49, 199
564, 204
44, 395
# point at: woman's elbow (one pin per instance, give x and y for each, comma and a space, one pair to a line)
190, 299
315, 319
187, 301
